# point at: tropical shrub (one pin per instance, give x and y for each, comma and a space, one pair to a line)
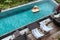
58, 1
58, 37
4, 4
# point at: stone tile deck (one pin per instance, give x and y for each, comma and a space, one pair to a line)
52, 32
47, 37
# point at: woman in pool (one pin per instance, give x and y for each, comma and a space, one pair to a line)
35, 9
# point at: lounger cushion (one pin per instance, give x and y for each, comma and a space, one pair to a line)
36, 33
45, 28
45, 21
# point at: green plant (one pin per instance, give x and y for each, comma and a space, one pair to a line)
1, 6
58, 1
58, 37
4, 4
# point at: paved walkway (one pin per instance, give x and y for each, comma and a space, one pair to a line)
54, 36
53, 33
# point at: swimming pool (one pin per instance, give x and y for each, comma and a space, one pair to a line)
25, 17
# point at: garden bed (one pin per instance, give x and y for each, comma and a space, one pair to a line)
58, 1
5, 4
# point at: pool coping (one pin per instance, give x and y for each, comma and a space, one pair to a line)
55, 2
25, 5
20, 5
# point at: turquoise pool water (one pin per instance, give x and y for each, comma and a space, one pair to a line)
21, 19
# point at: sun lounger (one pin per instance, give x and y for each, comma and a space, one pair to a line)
11, 37
45, 28
7, 38
36, 33
34, 29
45, 21
21, 37
56, 19
24, 30
16, 34
57, 16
